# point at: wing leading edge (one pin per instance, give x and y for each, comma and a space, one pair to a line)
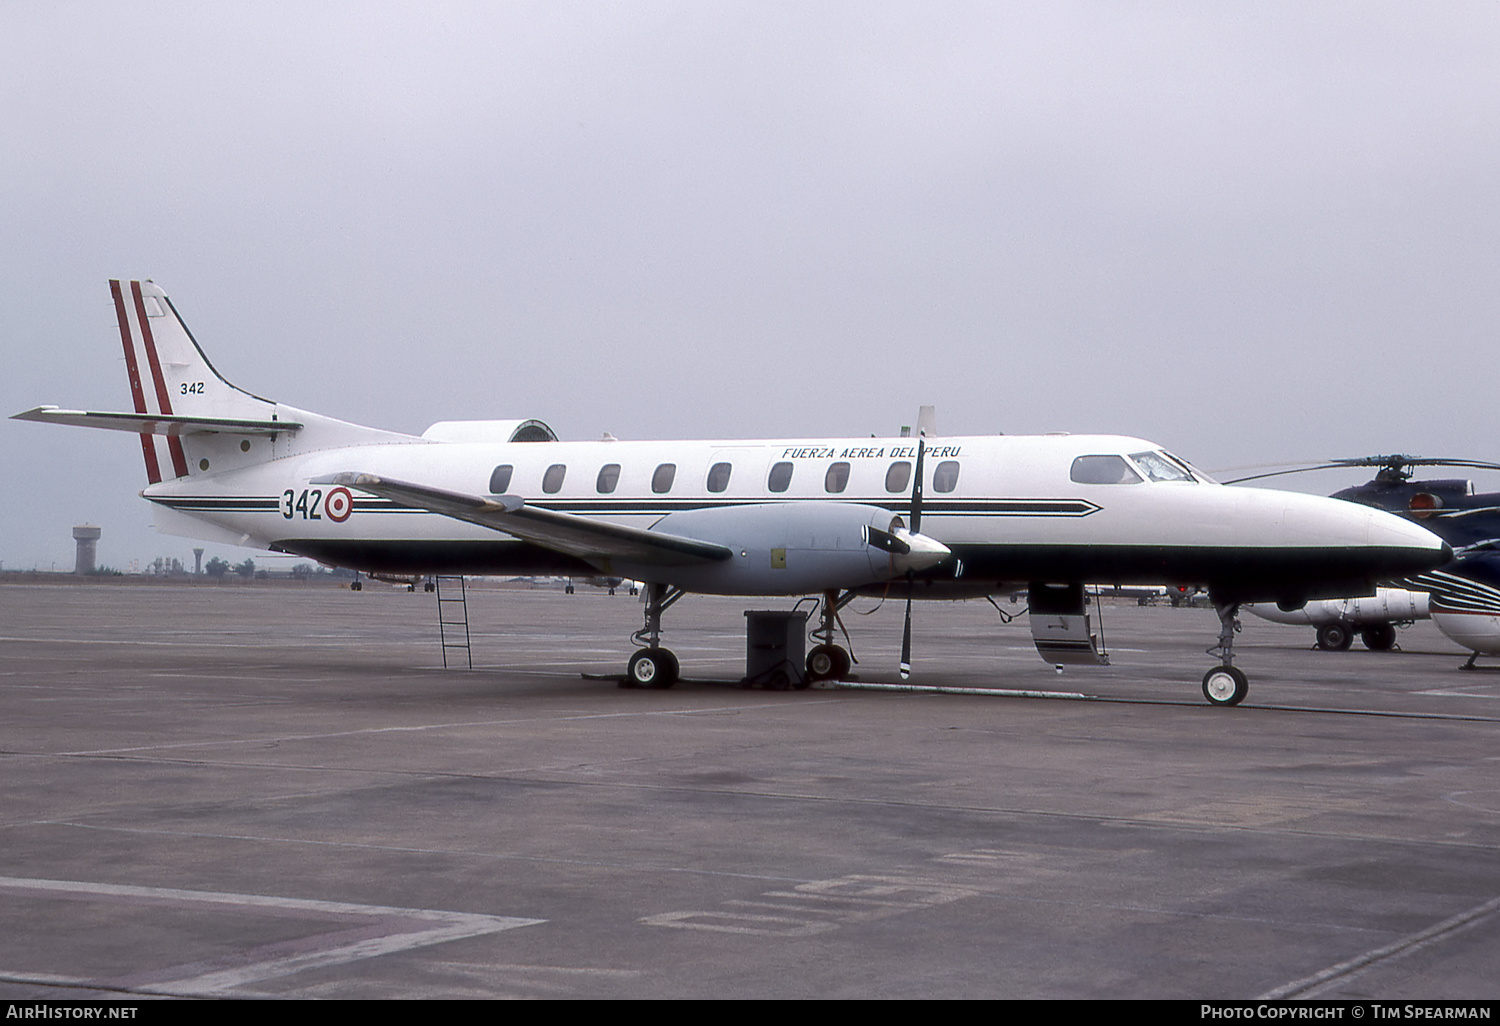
596, 541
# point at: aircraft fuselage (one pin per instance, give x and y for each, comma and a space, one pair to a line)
1009, 508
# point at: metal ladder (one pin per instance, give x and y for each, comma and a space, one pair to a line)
453, 613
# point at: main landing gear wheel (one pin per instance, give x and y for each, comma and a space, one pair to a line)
1225, 685
1380, 637
651, 668
827, 662
1335, 637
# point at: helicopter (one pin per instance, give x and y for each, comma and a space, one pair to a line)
1462, 598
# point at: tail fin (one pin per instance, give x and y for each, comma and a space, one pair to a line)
170, 376
189, 419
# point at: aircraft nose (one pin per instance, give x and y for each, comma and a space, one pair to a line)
1411, 547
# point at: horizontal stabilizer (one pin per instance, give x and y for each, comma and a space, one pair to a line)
146, 424
596, 541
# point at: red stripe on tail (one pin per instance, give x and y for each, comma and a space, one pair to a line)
174, 444
148, 446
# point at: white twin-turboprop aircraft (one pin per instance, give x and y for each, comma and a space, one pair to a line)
939, 518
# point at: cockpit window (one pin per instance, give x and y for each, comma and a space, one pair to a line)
1158, 466
1198, 475
1103, 470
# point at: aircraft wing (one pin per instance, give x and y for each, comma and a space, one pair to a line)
596, 541
145, 424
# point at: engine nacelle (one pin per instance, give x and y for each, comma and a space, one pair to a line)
1387, 605
794, 548
489, 431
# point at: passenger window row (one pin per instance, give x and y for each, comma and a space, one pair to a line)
835, 479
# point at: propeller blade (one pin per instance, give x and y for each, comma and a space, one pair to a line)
906, 636
916, 528
885, 541
916, 491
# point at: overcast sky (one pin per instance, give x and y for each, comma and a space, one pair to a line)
1251, 232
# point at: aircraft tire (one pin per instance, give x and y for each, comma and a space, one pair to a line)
652, 668
674, 668
1335, 637
1380, 637
827, 662
1225, 685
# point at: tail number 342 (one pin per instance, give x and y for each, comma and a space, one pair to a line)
313, 504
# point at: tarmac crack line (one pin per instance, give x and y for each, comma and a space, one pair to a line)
219, 742
410, 850
1142, 821
1321, 982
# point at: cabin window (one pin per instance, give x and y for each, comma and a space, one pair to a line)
718, 477
1159, 467
837, 478
552, 480
945, 477
661, 481
500, 478
781, 477
898, 476
1102, 470
609, 478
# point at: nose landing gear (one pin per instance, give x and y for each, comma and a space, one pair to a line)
1226, 684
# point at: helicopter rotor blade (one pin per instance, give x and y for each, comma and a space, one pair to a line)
1396, 464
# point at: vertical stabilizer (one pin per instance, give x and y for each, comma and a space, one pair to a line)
169, 375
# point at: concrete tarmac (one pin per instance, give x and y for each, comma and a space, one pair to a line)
261, 790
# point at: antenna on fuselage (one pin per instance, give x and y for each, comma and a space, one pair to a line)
927, 422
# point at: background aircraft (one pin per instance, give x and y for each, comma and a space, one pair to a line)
987, 515
1463, 598
1373, 617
